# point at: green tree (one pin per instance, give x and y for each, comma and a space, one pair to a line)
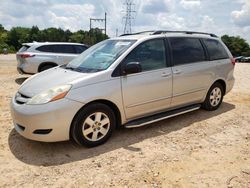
54, 35
2, 29
34, 34
14, 38
18, 35
237, 45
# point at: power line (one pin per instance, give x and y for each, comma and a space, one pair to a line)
128, 17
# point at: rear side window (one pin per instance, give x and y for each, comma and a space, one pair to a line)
186, 50
24, 48
68, 49
57, 48
79, 49
45, 48
215, 49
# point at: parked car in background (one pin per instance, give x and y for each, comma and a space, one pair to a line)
245, 59
239, 58
5, 51
130, 81
39, 56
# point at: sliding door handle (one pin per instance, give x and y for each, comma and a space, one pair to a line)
177, 71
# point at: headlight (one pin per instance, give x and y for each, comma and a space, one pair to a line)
52, 94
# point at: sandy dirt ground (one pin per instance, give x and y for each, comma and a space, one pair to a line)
198, 149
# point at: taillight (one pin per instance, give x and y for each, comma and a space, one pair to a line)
26, 55
233, 61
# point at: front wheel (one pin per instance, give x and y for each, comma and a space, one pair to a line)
214, 97
93, 125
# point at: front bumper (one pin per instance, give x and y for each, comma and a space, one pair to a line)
47, 122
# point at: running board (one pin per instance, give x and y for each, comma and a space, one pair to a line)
161, 116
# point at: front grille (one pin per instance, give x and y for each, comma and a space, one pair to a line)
21, 99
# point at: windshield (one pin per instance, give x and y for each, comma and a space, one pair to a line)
100, 56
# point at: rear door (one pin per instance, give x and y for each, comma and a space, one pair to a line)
192, 72
149, 91
48, 54
66, 51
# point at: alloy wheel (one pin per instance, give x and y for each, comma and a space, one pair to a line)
96, 126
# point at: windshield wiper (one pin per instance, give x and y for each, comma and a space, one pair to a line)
73, 68
81, 69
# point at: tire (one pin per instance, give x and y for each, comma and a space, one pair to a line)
93, 125
46, 67
214, 97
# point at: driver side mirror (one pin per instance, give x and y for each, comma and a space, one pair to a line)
132, 67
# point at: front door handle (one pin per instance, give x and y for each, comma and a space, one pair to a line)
177, 71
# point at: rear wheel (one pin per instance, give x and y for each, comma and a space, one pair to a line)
93, 125
214, 97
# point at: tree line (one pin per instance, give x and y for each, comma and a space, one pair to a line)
12, 40
237, 45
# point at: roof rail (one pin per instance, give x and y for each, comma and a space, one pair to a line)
186, 32
138, 33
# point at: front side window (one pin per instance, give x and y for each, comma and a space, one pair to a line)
100, 56
150, 54
186, 50
215, 49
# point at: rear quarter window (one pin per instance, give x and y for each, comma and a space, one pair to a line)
215, 49
24, 48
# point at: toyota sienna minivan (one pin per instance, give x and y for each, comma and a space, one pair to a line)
131, 81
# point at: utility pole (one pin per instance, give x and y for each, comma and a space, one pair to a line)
99, 20
128, 17
116, 32
105, 18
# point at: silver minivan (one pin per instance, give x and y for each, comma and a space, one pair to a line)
129, 81
39, 56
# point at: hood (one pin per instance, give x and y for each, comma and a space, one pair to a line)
48, 79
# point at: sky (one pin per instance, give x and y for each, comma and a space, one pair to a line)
221, 17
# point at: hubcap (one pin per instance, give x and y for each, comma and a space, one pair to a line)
215, 96
95, 126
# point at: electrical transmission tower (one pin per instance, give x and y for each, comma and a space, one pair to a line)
129, 16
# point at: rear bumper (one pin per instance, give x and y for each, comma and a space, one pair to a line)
25, 68
21, 71
48, 122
